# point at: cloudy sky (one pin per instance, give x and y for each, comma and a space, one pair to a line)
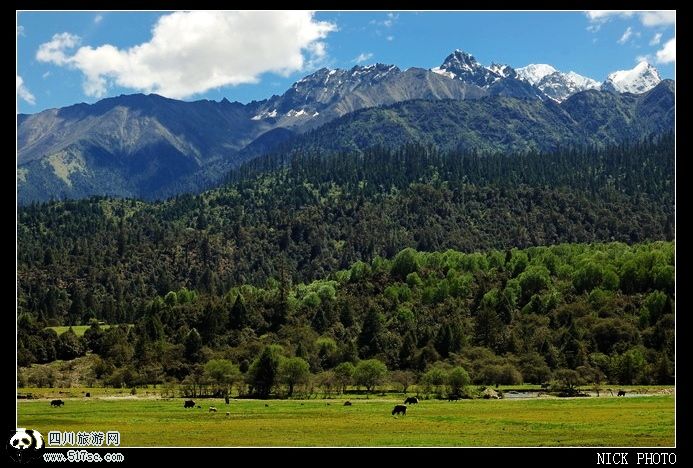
69, 57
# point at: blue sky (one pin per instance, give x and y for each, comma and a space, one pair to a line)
69, 57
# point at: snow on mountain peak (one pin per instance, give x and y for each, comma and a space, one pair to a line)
464, 66
461, 60
642, 66
582, 81
264, 115
534, 72
639, 79
503, 71
441, 71
559, 86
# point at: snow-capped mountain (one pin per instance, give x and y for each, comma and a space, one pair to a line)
504, 71
582, 81
555, 84
464, 67
330, 93
498, 79
560, 86
534, 72
322, 86
643, 77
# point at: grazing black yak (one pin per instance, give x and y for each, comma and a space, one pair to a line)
621, 393
399, 409
189, 404
347, 403
411, 400
57, 403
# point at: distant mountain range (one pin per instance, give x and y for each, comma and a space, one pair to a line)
494, 124
554, 84
151, 146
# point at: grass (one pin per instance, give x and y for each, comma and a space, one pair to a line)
79, 329
79, 391
610, 421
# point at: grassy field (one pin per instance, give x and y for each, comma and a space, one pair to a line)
606, 421
78, 329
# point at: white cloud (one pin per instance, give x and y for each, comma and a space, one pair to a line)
388, 22
668, 53
98, 19
604, 15
23, 92
647, 18
391, 19
20, 31
46, 75
658, 18
193, 52
656, 39
626, 35
54, 50
390, 38
363, 57
644, 58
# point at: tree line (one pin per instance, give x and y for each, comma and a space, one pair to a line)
573, 312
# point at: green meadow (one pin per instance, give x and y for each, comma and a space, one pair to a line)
605, 421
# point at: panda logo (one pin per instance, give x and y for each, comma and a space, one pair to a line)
26, 439
24, 445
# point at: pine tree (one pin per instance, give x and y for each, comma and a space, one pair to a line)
407, 351
369, 338
238, 316
193, 346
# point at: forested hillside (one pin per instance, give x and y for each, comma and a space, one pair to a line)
312, 252
321, 213
584, 313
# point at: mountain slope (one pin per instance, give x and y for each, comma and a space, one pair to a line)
323, 212
502, 124
126, 146
150, 146
328, 94
560, 86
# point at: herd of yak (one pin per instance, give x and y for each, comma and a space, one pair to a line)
398, 409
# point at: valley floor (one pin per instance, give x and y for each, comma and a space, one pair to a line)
605, 421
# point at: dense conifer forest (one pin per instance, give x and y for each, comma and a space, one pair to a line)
512, 266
